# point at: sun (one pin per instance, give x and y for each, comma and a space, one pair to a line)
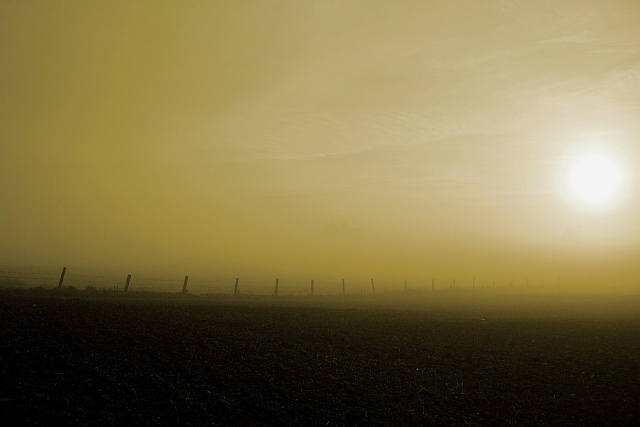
595, 179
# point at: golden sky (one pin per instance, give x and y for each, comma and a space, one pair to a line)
390, 138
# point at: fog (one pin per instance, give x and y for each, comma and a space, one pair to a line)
397, 141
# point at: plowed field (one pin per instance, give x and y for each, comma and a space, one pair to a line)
79, 360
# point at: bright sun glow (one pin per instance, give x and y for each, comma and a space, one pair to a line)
595, 179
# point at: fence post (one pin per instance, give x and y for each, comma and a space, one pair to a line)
126, 285
64, 270
373, 288
277, 280
235, 289
311, 286
184, 285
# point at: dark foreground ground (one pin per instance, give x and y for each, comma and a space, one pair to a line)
177, 360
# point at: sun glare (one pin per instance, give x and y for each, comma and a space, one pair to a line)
595, 179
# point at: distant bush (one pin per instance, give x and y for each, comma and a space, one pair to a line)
13, 283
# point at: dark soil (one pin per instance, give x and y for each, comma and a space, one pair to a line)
100, 361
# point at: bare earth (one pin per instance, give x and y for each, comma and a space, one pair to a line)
106, 358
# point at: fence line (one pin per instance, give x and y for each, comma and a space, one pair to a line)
250, 286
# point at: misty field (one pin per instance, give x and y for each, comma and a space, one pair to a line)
107, 358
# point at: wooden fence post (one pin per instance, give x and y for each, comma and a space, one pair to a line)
64, 270
277, 280
373, 288
311, 286
184, 285
235, 289
126, 284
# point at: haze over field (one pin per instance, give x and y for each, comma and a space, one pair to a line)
391, 139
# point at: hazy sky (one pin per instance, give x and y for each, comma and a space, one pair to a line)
239, 136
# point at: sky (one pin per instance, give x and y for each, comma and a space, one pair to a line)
404, 139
